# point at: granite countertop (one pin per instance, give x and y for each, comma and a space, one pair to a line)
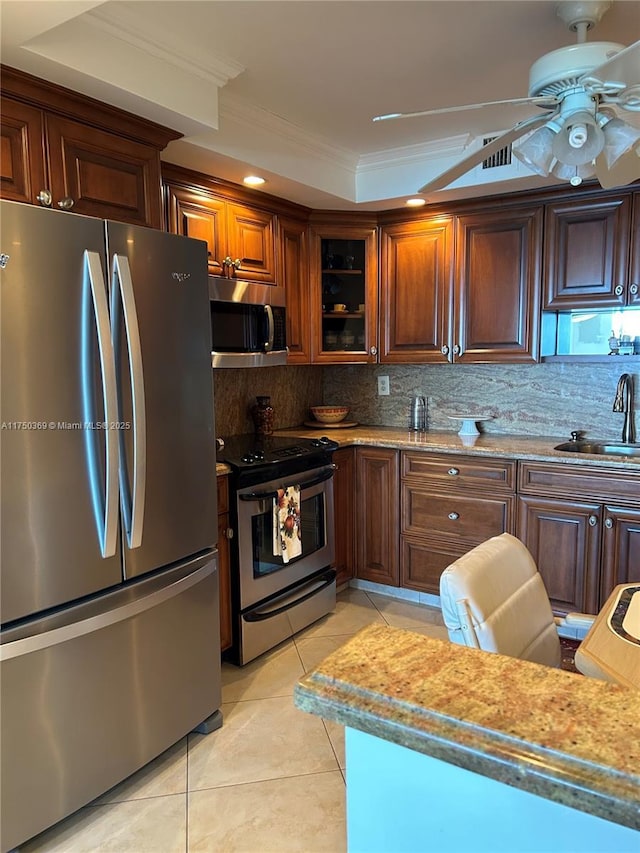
568, 738
488, 444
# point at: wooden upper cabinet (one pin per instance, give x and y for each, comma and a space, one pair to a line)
497, 286
63, 150
98, 173
22, 161
415, 291
192, 213
587, 254
252, 240
294, 268
633, 295
233, 232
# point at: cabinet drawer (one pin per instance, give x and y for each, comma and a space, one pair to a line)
223, 494
422, 562
460, 472
453, 517
551, 479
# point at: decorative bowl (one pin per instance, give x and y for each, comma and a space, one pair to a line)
329, 414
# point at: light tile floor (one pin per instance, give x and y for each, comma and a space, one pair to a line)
271, 779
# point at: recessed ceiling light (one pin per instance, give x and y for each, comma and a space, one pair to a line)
415, 202
253, 181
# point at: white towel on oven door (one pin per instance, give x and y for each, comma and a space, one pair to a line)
287, 535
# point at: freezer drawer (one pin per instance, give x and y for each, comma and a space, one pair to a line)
85, 704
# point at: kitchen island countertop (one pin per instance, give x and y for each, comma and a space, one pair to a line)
558, 735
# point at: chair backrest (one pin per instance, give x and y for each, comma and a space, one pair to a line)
493, 598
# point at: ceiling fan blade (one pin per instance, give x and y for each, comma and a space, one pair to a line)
548, 102
625, 171
617, 73
492, 147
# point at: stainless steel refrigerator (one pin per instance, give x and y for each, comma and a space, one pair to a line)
110, 648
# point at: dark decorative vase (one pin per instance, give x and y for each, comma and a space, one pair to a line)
262, 413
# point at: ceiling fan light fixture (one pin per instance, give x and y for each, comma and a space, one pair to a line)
574, 174
536, 151
580, 140
619, 137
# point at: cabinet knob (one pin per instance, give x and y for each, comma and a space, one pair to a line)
633, 289
618, 290
453, 472
593, 520
457, 349
228, 533
444, 350
44, 197
66, 203
373, 350
454, 516
608, 523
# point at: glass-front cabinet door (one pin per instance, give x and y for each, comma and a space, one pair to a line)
344, 295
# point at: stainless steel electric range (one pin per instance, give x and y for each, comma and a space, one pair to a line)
281, 505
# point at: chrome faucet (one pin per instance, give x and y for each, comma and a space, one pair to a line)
624, 403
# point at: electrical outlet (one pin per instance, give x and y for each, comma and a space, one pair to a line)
383, 386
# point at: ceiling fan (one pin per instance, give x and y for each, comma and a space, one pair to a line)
579, 88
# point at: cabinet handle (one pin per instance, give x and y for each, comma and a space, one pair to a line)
454, 516
593, 520
45, 198
633, 290
66, 203
228, 533
457, 349
373, 350
444, 350
608, 523
453, 472
618, 290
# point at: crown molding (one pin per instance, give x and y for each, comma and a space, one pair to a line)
250, 116
407, 155
127, 26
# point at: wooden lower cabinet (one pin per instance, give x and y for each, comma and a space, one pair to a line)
449, 504
563, 539
377, 516
344, 512
583, 548
224, 563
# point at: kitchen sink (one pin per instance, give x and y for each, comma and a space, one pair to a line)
608, 448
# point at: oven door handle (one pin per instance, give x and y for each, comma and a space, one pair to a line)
261, 496
319, 583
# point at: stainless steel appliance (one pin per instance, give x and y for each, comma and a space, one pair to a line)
274, 598
248, 324
110, 624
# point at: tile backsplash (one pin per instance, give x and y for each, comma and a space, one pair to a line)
552, 399
535, 399
292, 390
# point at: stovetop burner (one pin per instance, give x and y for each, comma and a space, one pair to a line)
270, 452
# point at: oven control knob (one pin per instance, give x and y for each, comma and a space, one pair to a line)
316, 442
258, 455
248, 458
325, 440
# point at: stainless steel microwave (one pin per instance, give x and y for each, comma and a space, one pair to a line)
248, 324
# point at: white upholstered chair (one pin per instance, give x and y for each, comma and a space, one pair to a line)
494, 598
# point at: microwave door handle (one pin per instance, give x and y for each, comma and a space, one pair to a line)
307, 484
271, 328
134, 518
108, 534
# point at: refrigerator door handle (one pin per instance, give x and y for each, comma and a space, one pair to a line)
109, 533
133, 511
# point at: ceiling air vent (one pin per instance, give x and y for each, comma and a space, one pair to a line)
500, 158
